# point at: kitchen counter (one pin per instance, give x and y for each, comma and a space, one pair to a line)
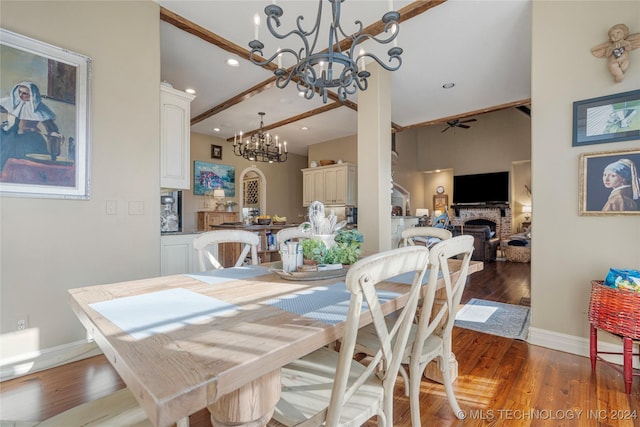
267, 249
180, 233
253, 227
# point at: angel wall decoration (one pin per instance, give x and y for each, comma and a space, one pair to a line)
617, 49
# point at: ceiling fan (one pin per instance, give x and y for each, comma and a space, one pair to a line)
458, 124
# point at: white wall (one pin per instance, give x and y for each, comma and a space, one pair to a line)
490, 145
571, 250
49, 246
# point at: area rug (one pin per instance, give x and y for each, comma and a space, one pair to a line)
495, 318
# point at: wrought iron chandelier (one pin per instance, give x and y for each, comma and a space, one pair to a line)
260, 146
331, 68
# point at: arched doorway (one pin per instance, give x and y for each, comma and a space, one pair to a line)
253, 184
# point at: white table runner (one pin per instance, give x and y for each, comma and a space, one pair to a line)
328, 304
142, 316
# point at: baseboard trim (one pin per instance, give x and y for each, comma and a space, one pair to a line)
29, 363
55, 356
576, 345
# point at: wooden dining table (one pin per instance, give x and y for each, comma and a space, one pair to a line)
218, 339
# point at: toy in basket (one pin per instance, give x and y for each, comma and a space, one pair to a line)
616, 311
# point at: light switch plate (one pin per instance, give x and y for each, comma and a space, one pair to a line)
136, 208
112, 207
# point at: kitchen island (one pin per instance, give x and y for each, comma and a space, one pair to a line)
228, 253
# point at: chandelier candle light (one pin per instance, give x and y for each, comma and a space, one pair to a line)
260, 147
331, 68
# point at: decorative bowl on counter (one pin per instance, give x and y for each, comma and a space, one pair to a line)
327, 162
264, 221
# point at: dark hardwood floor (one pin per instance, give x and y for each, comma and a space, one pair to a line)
502, 382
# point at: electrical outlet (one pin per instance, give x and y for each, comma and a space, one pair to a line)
21, 322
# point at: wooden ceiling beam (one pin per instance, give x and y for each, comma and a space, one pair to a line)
252, 91
468, 114
210, 37
310, 113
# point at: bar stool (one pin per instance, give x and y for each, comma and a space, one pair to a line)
618, 312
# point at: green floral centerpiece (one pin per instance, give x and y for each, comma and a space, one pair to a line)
313, 250
346, 250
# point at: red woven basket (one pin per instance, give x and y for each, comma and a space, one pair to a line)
615, 310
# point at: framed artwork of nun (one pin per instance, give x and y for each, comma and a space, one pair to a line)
44, 116
609, 183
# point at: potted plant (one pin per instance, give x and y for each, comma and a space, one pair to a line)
347, 249
313, 251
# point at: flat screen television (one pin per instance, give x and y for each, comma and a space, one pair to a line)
481, 188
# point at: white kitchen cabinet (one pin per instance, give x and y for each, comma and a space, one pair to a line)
331, 185
312, 185
175, 131
177, 255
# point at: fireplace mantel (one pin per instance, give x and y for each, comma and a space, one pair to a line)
501, 206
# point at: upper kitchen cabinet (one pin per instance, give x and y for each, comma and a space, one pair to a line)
175, 131
331, 185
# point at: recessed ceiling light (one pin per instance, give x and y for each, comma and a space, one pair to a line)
231, 62
189, 90
216, 129
448, 85
304, 128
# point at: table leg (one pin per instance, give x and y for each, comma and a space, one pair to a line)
252, 405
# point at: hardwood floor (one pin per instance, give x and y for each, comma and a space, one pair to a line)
502, 382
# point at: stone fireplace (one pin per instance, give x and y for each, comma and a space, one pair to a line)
496, 217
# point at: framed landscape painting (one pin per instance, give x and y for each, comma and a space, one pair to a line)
609, 183
210, 176
44, 111
610, 118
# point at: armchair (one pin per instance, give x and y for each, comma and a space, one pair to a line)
485, 246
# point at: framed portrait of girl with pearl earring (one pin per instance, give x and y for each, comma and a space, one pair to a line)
44, 116
610, 183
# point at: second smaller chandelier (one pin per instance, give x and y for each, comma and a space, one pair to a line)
260, 146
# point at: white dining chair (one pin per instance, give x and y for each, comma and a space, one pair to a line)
204, 244
427, 236
331, 388
291, 233
430, 338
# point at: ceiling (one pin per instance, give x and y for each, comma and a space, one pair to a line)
484, 47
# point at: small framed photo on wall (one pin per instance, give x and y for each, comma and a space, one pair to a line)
440, 202
611, 118
609, 183
216, 151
